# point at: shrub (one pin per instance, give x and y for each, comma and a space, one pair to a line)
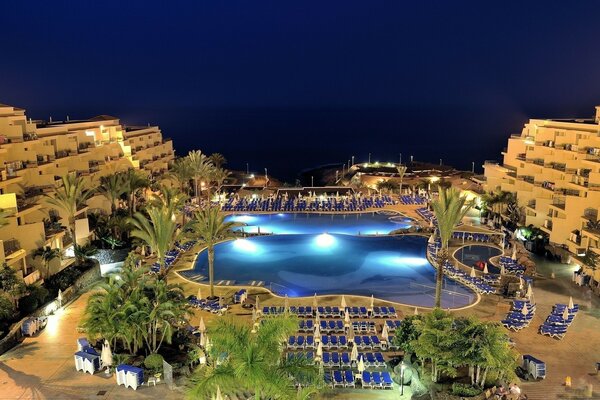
154, 362
28, 304
7, 308
462, 389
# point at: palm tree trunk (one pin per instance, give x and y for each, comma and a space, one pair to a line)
196, 187
211, 270
439, 279
485, 371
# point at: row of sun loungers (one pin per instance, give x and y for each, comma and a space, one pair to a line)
520, 316
477, 237
407, 199
426, 214
338, 326
370, 380
334, 312
172, 255
298, 204
212, 306
240, 296
511, 266
478, 284
559, 320
301, 342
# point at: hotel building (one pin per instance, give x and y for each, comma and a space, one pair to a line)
34, 155
554, 168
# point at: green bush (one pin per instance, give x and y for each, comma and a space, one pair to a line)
28, 304
462, 389
154, 363
40, 293
7, 309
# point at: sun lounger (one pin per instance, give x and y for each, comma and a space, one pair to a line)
366, 380
380, 360
377, 381
300, 342
310, 342
326, 359
348, 378
388, 383
335, 359
345, 360
291, 342
338, 380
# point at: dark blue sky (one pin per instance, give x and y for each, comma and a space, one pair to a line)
288, 85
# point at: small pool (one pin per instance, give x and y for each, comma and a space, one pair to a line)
469, 255
296, 223
390, 268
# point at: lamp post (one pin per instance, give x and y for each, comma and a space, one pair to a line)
352, 160
312, 181
247, 169
400, 163
369, 158
402, 368
472, 167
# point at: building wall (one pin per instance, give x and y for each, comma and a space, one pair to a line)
35, 154
554, 168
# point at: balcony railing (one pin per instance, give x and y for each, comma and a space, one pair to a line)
11, 246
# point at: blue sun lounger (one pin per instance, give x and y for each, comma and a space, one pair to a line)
366, 380
377, 382
388, 383
335, 359
338, 380
348, 378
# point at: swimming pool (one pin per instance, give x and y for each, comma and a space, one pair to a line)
297, 223
469, 255
388, 267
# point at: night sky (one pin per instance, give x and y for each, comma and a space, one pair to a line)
292, 84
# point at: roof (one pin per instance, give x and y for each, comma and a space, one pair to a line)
103, 117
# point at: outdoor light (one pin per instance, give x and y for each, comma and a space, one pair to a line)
411, 261
325, 240
251, 176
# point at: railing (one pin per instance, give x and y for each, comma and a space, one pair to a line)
11, 246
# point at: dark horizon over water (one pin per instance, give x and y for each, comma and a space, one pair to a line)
289, 140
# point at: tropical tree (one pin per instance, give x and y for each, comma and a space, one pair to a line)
134, 181
254, 362
401, 172
435, 342
211, 228
218, 160
70, 197
158, 229
136, 310
47, 254
7, 308
593, 225
591, 259
84, 253
407, 334
449, 208
388, 186
200, 169
181, 172
514, 213
112, 187
11, 284
219, 175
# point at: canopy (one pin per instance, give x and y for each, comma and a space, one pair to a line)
571, 305
199, 294
473, 274
106, 355
485, 268
354, 353
202, 326
416, 311
315, 304
566, 314
384, 332
372, 301
344, 302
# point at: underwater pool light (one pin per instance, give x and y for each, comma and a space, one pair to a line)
325, 240
245, 245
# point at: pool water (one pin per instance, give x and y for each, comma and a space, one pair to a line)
297, 223
469, 255
389, 267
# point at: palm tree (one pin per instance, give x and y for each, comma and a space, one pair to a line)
200, 168
449, 209
47, 254
401, 171
210, 228
112, 187
158, 230
69, 197
134, 181
253, 362
218, 176
218, 159
181, 172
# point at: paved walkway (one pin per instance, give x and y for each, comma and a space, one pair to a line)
42, 367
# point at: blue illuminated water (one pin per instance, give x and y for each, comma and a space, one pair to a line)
352, 224
469, 255
389, 267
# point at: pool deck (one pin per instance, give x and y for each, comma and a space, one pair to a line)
42, 366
